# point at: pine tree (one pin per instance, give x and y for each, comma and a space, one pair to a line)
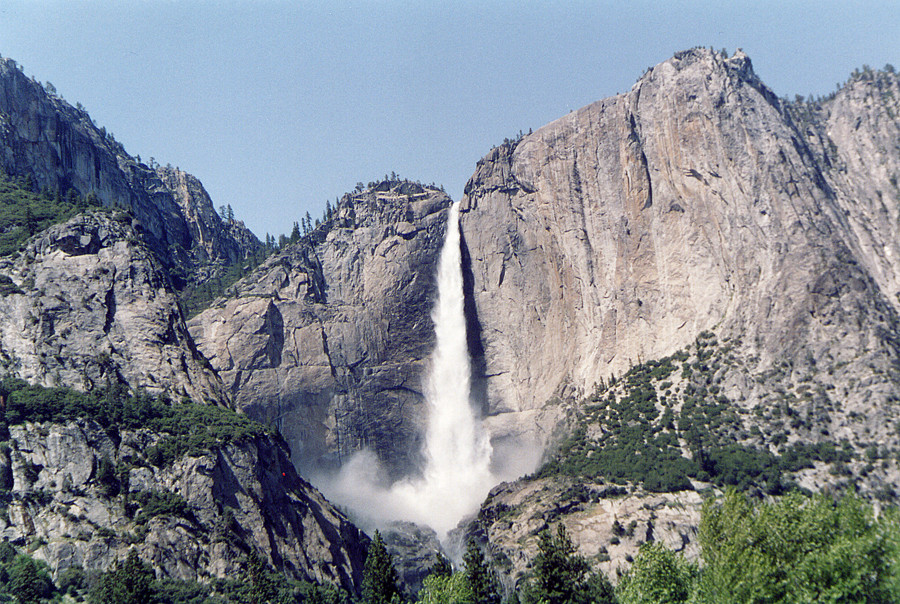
30, 221
441, 566
479, 576
106, 477
26, 581
561, 576
262, 587
379, 575
130, 583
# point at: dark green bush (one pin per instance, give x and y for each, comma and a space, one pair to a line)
160, 503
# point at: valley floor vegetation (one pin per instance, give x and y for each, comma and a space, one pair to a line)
796, 548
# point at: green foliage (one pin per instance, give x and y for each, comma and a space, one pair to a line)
445, 589
7, 287
635, 429
259, 583
441, 567
379, 577
480, 578
24, 212
561, 576
72, 580
129, 583
263, 585
106, 477
29, 580
170, 591
795, 549
197, 296
657, 576
636, 445
160, 503
798, 549
190, 428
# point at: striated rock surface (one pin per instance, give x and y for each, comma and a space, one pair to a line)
696, 201
94, 306
329, 338
238, 496
59, 146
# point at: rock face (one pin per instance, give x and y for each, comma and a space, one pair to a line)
606, 526
60, 147
245, 494
92, 302
696, 201
860, 127
330, 337
94, 306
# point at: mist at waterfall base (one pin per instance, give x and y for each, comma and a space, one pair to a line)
458, 471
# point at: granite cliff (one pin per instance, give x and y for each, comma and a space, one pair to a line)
695, 273
87, 306
60, 148
329, 337
193, 519
91, 304
697, 201
695, 223
94, 306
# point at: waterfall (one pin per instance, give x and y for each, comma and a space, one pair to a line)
457, 474
457, 452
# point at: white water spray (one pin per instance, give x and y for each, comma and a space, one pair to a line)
457, 473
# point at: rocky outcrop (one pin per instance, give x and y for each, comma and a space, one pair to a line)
59, 146
93, 306
414, 550
698, 200
215, 507
859, 127
329, 337
606, 522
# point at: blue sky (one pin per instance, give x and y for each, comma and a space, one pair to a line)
278, 106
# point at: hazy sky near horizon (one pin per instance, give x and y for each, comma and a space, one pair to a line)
277, 106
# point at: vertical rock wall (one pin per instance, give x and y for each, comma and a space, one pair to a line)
695, 201
329, 338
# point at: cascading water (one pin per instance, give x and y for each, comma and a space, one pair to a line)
457, 473
457, 452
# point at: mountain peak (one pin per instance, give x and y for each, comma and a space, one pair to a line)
61, 149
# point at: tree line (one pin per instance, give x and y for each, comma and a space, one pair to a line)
799, 548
